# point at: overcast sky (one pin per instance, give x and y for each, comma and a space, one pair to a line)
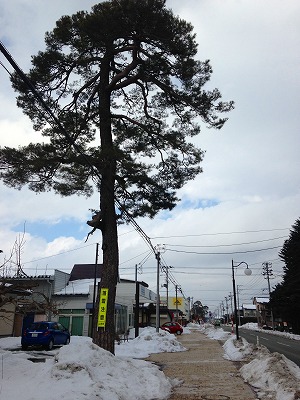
244, 203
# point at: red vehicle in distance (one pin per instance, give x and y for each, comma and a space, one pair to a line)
172, 327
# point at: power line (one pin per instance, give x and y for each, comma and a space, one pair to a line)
220, 233
58, 254
222, 253
225, 245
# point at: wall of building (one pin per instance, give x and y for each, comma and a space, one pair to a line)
75, 309
7, 320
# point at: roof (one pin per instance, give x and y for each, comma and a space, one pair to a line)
86, 271
29, 278
77, 287
131, 281
249, 306
262, 299
11, 289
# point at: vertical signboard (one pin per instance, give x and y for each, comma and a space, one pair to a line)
102, 307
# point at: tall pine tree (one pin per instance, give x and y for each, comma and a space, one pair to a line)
124, 82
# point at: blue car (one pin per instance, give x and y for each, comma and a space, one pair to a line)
46, 334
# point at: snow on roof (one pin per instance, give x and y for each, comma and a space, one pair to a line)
262, 299
249, 307
81, 286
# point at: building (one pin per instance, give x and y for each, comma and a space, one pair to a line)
70, 298
75, 302
262, 311
179, 308
29, 299
248, 314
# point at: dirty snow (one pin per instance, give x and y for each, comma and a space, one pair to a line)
272, 375
82, 370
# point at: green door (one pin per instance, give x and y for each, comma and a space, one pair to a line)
77, 326
65, 321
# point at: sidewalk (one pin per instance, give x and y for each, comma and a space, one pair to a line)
203, 372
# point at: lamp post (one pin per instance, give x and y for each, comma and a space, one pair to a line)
247, 272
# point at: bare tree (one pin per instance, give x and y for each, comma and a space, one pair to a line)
19, 293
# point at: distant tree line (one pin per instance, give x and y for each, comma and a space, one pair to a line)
285, 299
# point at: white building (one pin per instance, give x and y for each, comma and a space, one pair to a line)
75, 301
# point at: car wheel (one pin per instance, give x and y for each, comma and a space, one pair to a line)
178, 332
67, 341
24, 347
50, 345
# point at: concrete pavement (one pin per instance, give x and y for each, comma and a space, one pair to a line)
203, 372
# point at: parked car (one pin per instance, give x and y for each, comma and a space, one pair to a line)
172, 327
267, 327
46, 334
217, 322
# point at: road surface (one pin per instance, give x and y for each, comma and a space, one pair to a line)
290, 348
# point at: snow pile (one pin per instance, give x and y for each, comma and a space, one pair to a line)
216, 333
240, 350
96, 372
82, 370
148, 342
200, 327
271, 375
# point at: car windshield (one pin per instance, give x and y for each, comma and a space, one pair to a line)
39, 326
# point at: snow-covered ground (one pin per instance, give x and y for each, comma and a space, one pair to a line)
83, 371
272, 375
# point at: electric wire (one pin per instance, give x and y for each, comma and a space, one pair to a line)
220, 233
224, 245
224, 253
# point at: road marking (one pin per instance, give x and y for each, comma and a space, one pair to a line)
264, 338
284, 344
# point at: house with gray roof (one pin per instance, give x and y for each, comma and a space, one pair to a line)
75, 301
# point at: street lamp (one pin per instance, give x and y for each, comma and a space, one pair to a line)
247, 272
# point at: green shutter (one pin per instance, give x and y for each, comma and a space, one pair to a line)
77, 326
65, 321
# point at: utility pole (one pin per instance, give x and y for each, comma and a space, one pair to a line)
176, 288
158, 249
137, 304
222, 311
230, 296
157, 292
227, 313
267, 272
167, 284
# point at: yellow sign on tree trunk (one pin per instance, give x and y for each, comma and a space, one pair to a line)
102, 307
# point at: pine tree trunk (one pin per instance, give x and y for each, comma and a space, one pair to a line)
105, 336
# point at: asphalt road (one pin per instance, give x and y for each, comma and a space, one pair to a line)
275, 343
